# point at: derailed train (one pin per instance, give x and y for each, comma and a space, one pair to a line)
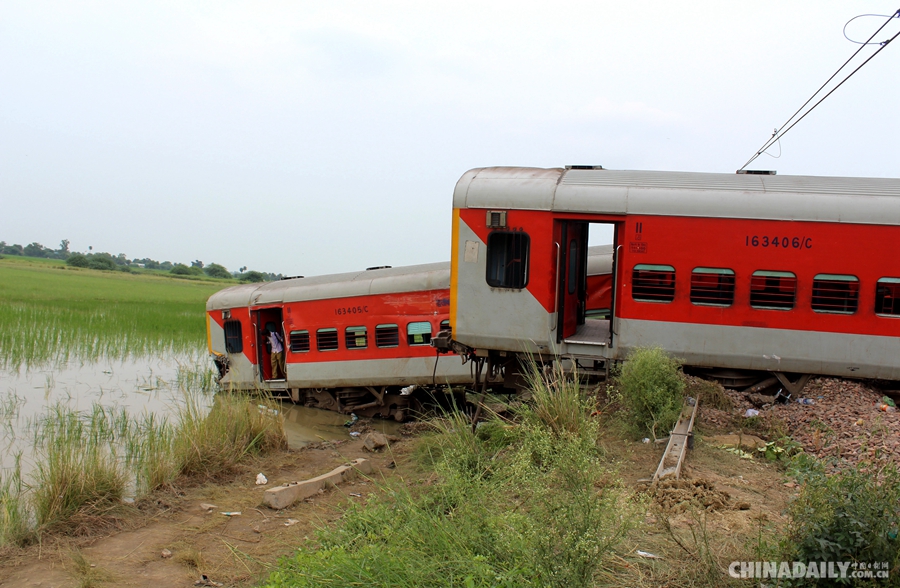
746, 276
355, 342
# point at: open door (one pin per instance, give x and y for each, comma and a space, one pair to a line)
266, 319
572, 278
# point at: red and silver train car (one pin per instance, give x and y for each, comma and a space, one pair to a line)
789, 275
354, 342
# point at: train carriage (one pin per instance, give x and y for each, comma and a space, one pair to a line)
759, 272
357, 341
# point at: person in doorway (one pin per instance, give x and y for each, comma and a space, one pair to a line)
276, 342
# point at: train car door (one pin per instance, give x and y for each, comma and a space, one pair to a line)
572, 278
265, 320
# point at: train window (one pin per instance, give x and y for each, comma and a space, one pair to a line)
835, 294
773, 290
507, 259
653, 283
445, 325
234, 340
327, 339
887, 296
418, 333
387, 336
299, 341
712, 286
355, 338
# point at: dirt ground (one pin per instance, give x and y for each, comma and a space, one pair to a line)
234, 551
724, 496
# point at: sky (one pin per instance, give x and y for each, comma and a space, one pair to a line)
309, 138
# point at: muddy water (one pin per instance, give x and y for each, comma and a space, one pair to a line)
144, 385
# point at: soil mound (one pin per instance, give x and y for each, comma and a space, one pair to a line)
677, 496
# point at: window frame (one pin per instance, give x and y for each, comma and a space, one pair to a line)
351, 341
295, 345
833, 279
426, 340
767, 305
231, 338
666, 296
387, 328
498, 260
879, 285
697, 292
320, 336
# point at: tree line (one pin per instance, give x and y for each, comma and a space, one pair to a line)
100, 260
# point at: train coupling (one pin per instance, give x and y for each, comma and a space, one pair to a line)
443, 342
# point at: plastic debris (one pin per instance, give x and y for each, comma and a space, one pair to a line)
261, 480
354, 433
805, 401
205, 581
889, 401
291, 522
408, 390
645, 440
352, 421
166, 554
354, 494
751, 412
647, 554
208, 507
233, 513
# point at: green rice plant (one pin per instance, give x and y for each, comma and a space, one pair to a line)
53, 316
77, 470
651, 388
150, 453
209, 443
14, 519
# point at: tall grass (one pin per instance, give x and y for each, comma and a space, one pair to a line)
88, 461
77, 468
49, 315
523, 502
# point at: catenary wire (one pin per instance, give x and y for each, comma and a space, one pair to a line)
782, 130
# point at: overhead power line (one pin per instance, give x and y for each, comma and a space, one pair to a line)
793, 120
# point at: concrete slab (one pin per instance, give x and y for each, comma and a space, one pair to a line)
287, 494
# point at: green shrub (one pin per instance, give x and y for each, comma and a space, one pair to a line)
77, 260
214, 270
851, 515
179, 269
651, 388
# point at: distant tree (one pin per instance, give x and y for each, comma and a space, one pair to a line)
77, 260
179, 269
166, 266
120, 259
243, 269
253, 276
101, 262
11, 249
197, 263
63, 251
35, 250
214, 270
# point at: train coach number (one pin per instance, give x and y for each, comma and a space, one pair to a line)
778, 241
351, 310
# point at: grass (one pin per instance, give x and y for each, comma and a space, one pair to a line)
86, 462
50, 314
524, 502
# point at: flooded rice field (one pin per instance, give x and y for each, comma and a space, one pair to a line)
136, 386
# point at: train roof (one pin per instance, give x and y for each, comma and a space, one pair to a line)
600, 191
413, 278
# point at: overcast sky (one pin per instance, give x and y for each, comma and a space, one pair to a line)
319, 137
